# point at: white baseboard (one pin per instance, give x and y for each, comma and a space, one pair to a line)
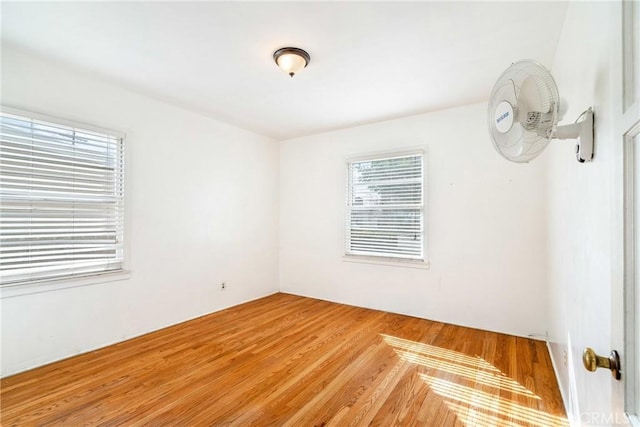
563, 393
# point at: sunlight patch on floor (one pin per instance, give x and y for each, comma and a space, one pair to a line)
442, 353
473, 406
492, 403
482, 377
475, 418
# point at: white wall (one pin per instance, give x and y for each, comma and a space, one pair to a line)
202, 199
582, 204
486, 231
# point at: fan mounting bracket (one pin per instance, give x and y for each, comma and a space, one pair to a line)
583, 132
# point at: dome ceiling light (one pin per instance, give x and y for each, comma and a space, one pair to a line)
291, 59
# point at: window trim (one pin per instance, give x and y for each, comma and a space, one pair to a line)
47, 285
390, 260
52, 284
60, 121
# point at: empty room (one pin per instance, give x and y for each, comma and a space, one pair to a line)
320, 213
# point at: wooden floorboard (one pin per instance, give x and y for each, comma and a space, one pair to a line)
286, 360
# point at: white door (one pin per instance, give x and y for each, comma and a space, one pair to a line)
626, 297
629, 391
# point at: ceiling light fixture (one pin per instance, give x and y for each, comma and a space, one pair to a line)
291, 59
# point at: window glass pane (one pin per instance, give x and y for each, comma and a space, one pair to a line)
385, 207
62, 201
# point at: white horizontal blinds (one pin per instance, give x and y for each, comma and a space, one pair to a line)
62, 201
385, 207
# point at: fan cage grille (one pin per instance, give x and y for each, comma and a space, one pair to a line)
532, 92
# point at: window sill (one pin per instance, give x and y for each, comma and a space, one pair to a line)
392, 262
19, 289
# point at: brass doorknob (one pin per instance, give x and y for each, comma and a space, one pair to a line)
592, 362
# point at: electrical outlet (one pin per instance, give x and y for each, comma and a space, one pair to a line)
223, 286
565, 357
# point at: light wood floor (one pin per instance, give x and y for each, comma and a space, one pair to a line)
288, 360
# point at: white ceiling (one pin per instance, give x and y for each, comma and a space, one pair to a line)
370, 61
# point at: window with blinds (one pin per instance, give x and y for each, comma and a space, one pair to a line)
61, 200
385, 207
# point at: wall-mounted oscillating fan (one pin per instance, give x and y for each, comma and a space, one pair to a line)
524, 111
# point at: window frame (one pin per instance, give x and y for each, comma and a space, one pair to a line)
39, 285
382, 259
